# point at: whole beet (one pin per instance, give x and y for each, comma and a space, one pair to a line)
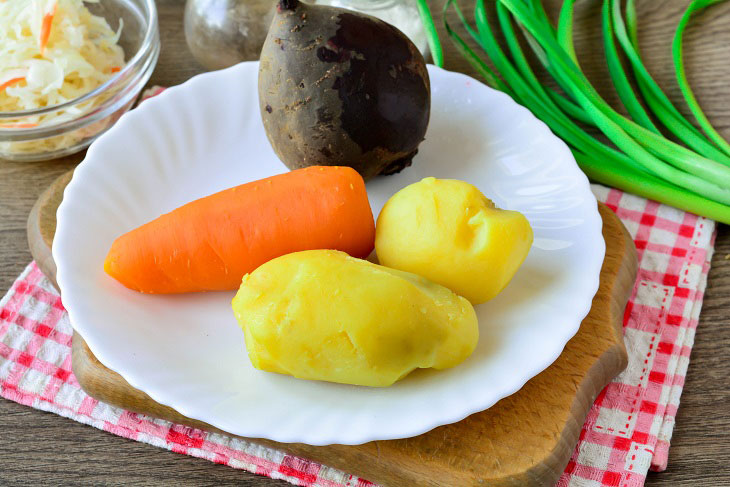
342, 88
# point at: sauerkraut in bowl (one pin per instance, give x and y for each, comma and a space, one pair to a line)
69, 69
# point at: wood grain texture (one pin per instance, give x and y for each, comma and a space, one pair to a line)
41, 225
37, 448
542, 421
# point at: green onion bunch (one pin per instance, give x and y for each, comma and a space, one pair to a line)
654, 152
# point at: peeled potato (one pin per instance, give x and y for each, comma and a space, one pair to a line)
450, 233
324, 315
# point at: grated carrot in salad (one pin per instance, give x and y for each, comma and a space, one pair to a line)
11, 82
18, 125
46, 27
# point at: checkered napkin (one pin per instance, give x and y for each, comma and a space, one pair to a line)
627, 431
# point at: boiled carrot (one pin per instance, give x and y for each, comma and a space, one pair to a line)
211, 243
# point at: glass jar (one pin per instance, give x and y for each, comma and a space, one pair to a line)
221, 33
401, 13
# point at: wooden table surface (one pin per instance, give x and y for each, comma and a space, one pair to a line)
38, 448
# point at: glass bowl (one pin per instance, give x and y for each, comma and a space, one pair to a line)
99, 108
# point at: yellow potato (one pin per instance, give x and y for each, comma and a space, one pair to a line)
321, 314
450, 233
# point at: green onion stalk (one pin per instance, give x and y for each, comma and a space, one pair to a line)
692, 173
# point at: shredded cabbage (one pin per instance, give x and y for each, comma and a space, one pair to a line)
51, 52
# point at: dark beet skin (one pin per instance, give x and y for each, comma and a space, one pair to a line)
341, 88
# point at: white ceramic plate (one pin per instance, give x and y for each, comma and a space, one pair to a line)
187, 351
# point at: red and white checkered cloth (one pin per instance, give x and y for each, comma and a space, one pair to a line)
628, 429
626, 433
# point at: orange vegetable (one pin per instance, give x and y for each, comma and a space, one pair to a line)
11, 82
116, 69
211, 243
46, 27
18, 125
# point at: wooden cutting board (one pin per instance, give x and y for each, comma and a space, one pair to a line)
524, 440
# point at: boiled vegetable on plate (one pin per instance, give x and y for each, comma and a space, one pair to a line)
324, 315
341, 88
211, 243
449, 232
